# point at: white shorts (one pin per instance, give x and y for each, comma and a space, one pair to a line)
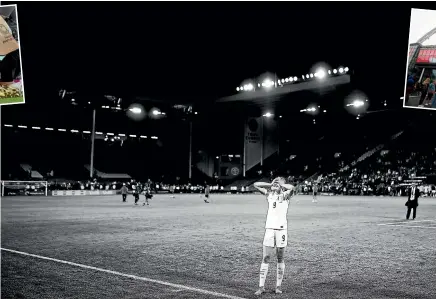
275, 238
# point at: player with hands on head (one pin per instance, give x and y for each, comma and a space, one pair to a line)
278, 194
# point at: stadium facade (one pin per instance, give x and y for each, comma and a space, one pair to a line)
422, 58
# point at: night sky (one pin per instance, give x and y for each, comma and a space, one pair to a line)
201, 51
196, 53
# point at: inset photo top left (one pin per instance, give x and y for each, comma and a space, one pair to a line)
11, 84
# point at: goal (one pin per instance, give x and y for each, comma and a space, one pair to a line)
24, 188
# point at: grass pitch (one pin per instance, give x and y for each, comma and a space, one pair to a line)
341, 247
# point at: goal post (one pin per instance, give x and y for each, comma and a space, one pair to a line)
24, 188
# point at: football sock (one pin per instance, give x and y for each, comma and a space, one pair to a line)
263, 273
280, 273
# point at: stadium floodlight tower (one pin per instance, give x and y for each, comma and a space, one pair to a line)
135, 110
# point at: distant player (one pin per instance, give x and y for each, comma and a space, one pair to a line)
278, 194
315, 193
148, 195
172, 191
206, 193
135, 191
124, 191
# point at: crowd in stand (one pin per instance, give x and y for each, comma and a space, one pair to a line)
389, 173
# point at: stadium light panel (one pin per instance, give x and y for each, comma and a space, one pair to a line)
74, 131
346, 69
87, 132
295, 79
311, 75
110, 134
287, 80
335, 71
321, 73
268, 114
36, 128
358, 103
267, 83
10, 126
99, 133
237, 88
329, 72
142, 136
248, 87
49, 129
307, 76
134, 136
23, 127
135, 110
122, 135
341, 70
62, 130
154, 137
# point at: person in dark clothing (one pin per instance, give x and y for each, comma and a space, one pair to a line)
135, 191
424, 89
148, 195
124, 192
206, 193
412, 201
10, 67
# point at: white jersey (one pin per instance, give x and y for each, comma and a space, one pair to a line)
277, 211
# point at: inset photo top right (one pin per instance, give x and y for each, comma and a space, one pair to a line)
421, 69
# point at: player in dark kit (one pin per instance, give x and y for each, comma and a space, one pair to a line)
148, 195
135, 191
206, 193
315, 193
124, 192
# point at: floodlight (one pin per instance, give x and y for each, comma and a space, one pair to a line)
341, 70
136, 110
335, 71
267, 83
321, 73
358, 103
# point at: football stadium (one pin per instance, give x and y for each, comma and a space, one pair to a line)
158, 192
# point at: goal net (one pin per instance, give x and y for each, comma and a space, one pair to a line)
24, 188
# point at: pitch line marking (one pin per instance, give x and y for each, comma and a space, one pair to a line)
173, 285
402, 222
409, 225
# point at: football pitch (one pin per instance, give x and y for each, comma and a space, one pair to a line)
99, 247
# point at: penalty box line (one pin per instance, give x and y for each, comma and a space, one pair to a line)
173, 285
